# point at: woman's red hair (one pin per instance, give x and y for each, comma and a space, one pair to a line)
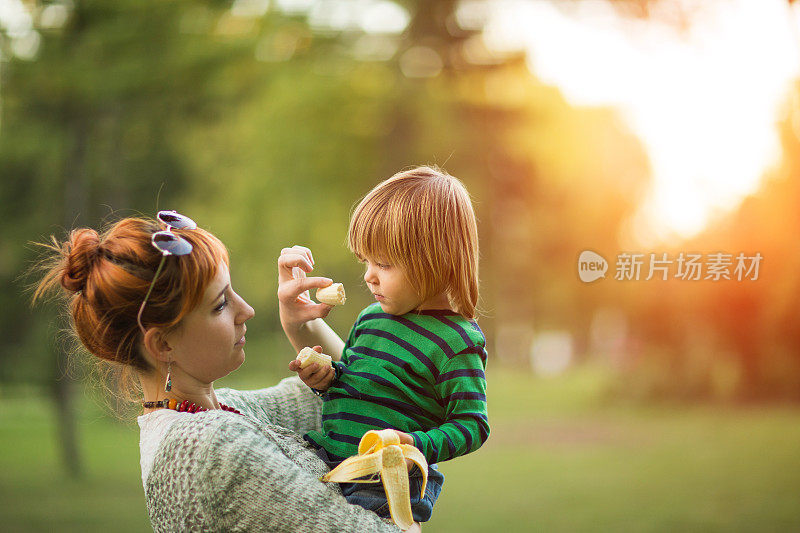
106, 276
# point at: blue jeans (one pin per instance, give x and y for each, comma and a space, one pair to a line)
371, 496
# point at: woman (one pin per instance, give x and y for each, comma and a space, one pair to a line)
154, 298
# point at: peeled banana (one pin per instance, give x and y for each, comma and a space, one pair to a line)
380, 453
332, 294
309, 356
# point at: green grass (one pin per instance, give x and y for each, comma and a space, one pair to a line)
35, 492
560, 458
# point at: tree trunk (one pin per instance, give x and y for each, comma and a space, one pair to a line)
66, 415
75, 192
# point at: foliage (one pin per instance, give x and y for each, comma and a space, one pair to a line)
267, 128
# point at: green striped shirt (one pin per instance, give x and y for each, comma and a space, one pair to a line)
421, 373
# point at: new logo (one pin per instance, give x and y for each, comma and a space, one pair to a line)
591, 266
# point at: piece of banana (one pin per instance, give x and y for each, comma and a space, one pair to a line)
381, 454
332, 294
308, 356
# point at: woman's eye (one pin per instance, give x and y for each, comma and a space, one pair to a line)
383, 265
222, 305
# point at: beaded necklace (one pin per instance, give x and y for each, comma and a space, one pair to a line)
185, 406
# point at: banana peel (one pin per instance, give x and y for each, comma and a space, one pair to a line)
380, 455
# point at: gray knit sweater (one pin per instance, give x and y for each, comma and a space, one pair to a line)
220, 471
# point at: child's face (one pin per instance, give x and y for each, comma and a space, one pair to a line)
390, 286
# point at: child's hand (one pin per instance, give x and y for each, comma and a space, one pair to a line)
314, 375
405, 438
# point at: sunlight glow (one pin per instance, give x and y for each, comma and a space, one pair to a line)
371, 16
17, 24
704, 103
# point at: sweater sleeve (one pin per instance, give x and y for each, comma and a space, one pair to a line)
289, 404
247, 484
462, 385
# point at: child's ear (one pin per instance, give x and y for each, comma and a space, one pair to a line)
157, 344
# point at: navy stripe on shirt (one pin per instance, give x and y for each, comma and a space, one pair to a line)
465, 396
457, 328
344, 438
440, 342
361, 419
469, 372
386, 383
401, 407
405, 345
465, 432
404, 365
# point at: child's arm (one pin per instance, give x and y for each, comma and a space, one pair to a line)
462, 383
301, 318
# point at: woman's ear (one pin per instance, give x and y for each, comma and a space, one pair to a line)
156, 344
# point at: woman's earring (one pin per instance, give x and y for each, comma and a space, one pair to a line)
168, 384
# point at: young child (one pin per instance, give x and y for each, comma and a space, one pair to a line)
414, 360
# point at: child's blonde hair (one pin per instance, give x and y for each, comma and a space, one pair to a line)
422, 221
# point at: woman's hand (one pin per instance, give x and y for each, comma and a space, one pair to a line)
415, 528
294, 303
314, 375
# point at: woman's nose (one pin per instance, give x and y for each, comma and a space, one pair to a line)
246, 312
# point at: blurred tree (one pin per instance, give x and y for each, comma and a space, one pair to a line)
90, 127
267, 126
553, 180
732, 339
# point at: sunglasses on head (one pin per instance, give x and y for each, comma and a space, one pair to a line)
167, 243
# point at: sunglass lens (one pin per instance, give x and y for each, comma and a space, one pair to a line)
176, 220
171, 243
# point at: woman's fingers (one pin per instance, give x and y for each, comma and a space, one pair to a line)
301, 251
298, 273
289, 255
295, 303
296, 248
305, 251
312, 311
289, 290
289, 260
309, 311
305, 298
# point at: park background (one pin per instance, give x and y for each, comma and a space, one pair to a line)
618, 126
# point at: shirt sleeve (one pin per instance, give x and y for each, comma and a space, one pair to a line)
462, 385
289, 404
247, 484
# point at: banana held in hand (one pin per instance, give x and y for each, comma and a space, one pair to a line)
309, 356
332, 294
381, 452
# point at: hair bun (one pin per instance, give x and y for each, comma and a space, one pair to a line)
81, 252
